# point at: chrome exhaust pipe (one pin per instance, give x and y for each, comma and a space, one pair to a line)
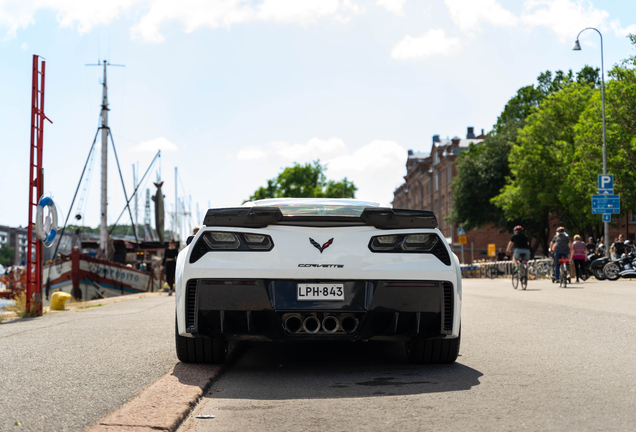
349, 324
293, 324
311, 324
330, 324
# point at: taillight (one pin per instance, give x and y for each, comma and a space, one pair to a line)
230, 241
404, 243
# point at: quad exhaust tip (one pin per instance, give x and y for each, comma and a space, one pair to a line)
349, 324
293, 324
330, 324
311, 324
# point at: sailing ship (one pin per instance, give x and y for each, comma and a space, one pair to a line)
137, 266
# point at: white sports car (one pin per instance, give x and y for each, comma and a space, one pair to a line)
318, 269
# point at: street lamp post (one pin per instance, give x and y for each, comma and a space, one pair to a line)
577, 47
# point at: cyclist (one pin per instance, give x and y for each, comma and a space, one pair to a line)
521, 245
560, 247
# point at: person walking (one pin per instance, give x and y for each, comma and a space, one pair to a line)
560, 247
170, 264
578, 250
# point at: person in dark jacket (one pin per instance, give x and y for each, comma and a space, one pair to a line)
170, 264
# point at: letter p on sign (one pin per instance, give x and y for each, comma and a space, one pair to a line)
606, 181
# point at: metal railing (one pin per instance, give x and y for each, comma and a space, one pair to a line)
537, 268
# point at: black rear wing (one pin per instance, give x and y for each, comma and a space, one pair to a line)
262, 216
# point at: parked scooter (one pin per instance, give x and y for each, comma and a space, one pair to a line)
597, 265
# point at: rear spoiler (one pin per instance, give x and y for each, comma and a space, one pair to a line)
379, 217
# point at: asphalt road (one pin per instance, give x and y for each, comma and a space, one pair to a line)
545, 359
65, 371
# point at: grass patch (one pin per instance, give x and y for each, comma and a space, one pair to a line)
20, 307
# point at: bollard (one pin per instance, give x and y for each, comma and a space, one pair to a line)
58, 299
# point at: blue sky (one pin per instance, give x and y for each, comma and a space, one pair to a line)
233, 91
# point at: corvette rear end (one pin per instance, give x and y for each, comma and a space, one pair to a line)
317, 269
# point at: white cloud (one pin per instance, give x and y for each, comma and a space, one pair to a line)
620, 31
469, 14
307, 151
83, 15
151, 146
394, 6
251, 153
566, 18
376, 168
24, 46
432, 43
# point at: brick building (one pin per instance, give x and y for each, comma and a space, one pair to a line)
427, 187
15, 238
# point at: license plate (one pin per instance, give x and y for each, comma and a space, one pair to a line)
320, 291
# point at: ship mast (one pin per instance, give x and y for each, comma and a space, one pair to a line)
103, 226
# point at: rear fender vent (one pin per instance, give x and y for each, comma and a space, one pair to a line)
191, 303
198, 251
441, 252
449, 305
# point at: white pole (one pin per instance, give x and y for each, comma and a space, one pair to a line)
103, 226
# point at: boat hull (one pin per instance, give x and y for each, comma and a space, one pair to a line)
89, 278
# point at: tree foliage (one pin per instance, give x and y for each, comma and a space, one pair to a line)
484, 169
542, 162
305, 181
7, 253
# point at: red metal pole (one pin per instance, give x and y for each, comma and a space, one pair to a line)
36, 188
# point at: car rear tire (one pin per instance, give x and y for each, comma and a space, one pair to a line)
200, 349
433, 351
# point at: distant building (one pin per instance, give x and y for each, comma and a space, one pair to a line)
16, 238
427, 187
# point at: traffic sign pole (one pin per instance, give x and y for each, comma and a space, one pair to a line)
605, 181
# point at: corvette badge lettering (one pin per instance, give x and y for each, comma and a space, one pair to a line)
322, 265
317, 245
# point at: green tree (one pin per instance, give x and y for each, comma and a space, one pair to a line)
541, 164
483, 169
620, 107
305, 181
6, 255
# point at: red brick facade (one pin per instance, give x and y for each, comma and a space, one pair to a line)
427, 187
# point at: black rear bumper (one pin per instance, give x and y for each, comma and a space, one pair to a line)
257, 309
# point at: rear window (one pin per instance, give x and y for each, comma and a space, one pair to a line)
321, 210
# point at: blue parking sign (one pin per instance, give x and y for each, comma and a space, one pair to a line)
606, 181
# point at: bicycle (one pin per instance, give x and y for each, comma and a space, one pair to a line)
493, 272
521, 275
563, 277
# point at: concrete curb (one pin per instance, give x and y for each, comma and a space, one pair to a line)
82, 305
165, 404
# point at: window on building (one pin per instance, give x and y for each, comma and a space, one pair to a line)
436, 179
633, 218
450, 174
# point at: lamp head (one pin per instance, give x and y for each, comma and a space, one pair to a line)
577, 46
